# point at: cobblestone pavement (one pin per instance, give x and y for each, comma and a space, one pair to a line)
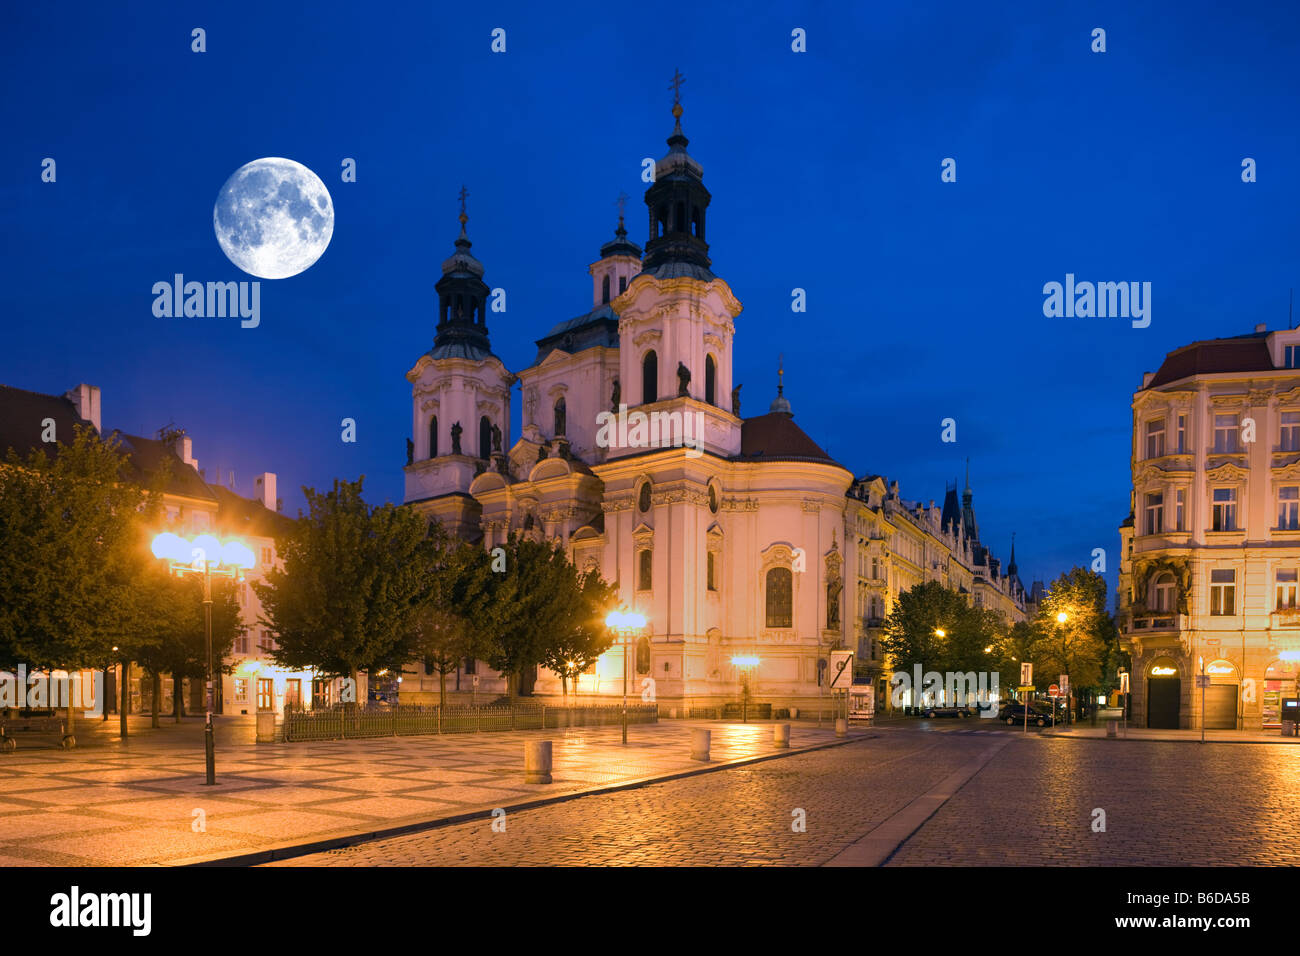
1031, 803
146, 802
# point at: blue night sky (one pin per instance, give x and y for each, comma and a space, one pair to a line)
924, 298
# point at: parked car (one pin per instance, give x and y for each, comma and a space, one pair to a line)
953, 711
1013, 712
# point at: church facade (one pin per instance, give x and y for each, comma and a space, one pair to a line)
749, 550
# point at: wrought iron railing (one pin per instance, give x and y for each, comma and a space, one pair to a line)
342, 723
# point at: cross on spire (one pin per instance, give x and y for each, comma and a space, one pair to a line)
676, 86
780, 373
464, 194
621, 201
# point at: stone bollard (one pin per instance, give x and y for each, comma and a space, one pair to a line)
265, 726
794, 713
841, 727
700, 743
537, 761
1112, 728
672, 713
781, 735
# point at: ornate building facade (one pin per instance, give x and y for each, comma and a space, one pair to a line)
737, 538
1211, 547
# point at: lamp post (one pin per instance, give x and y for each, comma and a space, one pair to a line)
205, 555
1061, 618
941, 634
626, 624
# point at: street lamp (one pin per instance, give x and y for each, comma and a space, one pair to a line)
207, 556
1061, 618
626, 624
746, 663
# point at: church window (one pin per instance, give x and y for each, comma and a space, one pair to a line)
710, 379
679, 224
604, 292
650, 378
780, 597
560, 416
643, 498
697, 222
713, 498
433, 437
662, 219
622, 284
484, 437
644, 569
643, 655
712, 576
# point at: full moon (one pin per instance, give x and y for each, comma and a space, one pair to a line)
274, 218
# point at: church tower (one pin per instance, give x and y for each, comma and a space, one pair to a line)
676, 322
460, 396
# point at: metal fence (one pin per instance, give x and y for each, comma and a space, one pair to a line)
342, 723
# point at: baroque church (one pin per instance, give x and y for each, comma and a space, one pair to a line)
734, 537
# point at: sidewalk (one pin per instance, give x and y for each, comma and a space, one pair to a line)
146, 803
1187, 736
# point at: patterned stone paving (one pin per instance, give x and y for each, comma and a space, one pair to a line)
134, 805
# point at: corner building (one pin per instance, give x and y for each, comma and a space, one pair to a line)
744, 544
1211, 547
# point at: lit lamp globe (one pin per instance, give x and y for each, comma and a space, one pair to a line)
236, 554
167, 545
1062, 617
206, 548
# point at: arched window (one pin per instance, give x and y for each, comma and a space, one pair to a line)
643, 655
697, 222
644, 569
650, 378
442, 308
1162, 593
604, 290
662, 220
679, 224
622, 284
484, 437
561, 414
780, 597
433, 437
643, 498
710, 379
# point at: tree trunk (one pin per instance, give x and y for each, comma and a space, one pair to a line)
442, 688
104, 706
125, 707
157, 699
178, 697
564, 685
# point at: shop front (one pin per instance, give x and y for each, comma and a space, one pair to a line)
1279, 683
1164, 693
1222, 695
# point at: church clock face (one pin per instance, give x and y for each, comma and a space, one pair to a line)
643, 499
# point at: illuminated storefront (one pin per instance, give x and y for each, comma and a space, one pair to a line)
1279, 683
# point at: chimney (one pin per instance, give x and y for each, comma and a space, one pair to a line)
183, 445
85, 398
1261, 327
264, 486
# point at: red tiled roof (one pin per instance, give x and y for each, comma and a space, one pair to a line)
776, 436
1247, 353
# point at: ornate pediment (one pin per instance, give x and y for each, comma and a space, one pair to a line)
1235, 400
647, 337
1287, 472
714, 340
1227, 471
1260, 396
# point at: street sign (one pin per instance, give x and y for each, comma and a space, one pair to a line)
841, 669
1026, 673
1123, 682
1054, 691
1202, 680
1064, 681
1030, 688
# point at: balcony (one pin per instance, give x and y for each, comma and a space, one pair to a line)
1158, 623
1285, 618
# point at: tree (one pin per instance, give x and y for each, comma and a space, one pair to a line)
73, 547
354, 580
1077, 647
444, 632
584, 636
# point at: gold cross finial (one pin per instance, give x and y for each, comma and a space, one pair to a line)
620, 202
464, 194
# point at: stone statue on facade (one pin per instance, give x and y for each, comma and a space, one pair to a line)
410, 452
455, 438
735, 400
616, 397
683, 381
496, 437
